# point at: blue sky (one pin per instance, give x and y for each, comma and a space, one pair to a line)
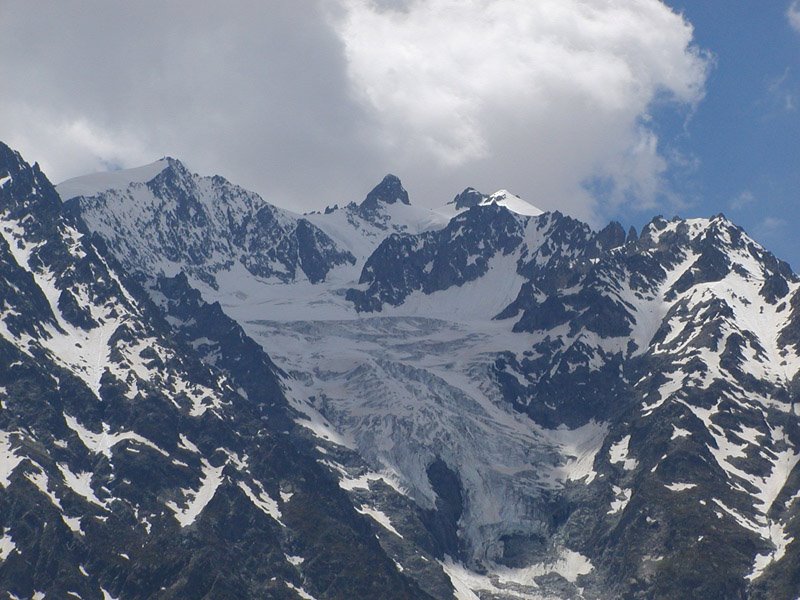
742, 143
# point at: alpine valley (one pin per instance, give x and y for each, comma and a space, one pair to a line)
204, 396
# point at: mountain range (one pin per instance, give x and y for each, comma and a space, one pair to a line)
205, 396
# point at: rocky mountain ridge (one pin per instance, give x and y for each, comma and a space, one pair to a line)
521, 407
146, 444
202, 225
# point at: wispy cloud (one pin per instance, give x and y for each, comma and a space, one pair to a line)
793, 14
746, 198
782, 92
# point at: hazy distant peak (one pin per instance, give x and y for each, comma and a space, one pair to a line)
468, 198
389, 191
96, 183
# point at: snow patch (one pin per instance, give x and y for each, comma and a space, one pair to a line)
621, 499
9, 459
42, 483
514, 583
7, 545
677, 432
780, 540
679, 487
619, 453
262, 500
102, 443
300, 591
186, 444
580, 446
513, 203
294, 560
196, 500
379, 517
81, 484
362, 482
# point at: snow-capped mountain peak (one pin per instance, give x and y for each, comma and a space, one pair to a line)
471, 197
467, 199
386, 209
513, 203
201, 225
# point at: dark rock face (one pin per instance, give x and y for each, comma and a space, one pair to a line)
389, 191
790, 336
468, 198
443, 520
612, 236
432, 261
317, 253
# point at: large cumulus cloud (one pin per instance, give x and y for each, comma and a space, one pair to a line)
538, 96
310, 103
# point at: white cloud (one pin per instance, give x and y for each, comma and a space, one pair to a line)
544, 94
256, 92
793, 14
62, 144
312, 103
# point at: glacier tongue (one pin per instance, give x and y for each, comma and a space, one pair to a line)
410, 390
